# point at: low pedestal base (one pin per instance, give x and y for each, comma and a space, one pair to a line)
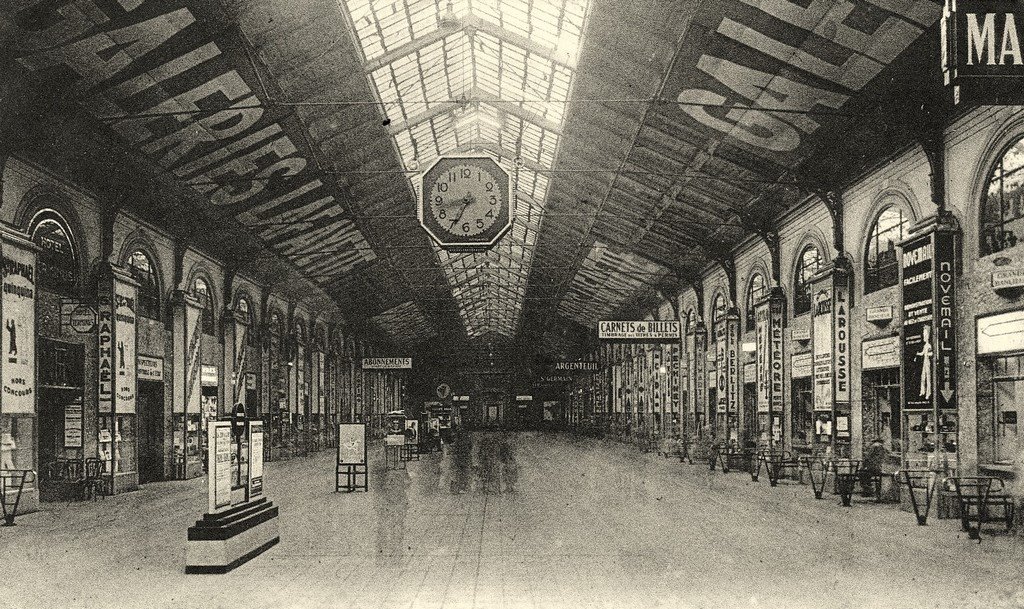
220, 542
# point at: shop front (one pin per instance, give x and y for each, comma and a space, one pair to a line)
881, 394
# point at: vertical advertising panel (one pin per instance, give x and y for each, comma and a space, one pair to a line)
822, 345
776, 357
700, 375
721, 368
124, 333
241, 355
735, 387
918, 317
218, 441
105, 352
841, 339
762, 334
320, 403
945, 319
19, 327
193, 364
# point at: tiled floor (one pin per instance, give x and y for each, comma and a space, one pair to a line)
590, 524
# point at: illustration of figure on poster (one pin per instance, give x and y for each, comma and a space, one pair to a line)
925, 357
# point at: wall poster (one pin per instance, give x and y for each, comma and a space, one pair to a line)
763, 366
124, 356
351, 444
19, 328
918, 323
822, 345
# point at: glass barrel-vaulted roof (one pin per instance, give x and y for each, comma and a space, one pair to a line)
488, 76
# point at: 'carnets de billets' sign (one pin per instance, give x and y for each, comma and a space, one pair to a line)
639, 330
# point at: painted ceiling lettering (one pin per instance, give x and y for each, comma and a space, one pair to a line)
895, 26
214, 134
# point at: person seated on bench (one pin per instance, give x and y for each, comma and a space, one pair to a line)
871, 466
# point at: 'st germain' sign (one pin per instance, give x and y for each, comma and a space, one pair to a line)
982, 60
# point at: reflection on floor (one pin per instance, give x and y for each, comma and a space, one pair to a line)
513, 520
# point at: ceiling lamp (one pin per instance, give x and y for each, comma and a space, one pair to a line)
449, 20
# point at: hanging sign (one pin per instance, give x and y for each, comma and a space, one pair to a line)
1001, 333
1008, 278
638, 330
945, 319
981, 51
800, 365
801, 334
18, 308
878, 314
732, 354
524, 398
124, 331
77, 316
387, 363
880, 353
208, 376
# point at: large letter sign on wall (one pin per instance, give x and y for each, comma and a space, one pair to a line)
981, 51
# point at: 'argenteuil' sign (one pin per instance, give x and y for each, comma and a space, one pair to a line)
639, 330
387, 363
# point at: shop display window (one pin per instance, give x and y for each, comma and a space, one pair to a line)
17, 441
1002, 205
926, 437
117, 443
201, 291
1008, 407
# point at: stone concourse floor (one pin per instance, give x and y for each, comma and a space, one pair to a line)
591, 524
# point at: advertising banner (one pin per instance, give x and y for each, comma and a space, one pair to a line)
732, 354
775, 359
721, 369
193, 335
241, 355
19, 327
841, 338
124, 332
700, 373
105, 352
918, 323
319, 404
822, 345
945, 319
763, 371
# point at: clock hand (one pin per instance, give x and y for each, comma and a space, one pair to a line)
468, 201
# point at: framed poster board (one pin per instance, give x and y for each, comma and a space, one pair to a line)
351, 444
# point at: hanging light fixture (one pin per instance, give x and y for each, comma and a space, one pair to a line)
449, 20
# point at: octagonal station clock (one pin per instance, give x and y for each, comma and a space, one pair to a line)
466, 202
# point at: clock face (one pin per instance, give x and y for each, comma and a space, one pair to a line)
465, 201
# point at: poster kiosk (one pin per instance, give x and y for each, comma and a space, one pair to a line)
241, 522
350, 470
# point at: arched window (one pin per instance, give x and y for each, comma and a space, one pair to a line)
141, 268
756, 292
881, 263
242, 310
201, 291
718, 309
57, 261
808, 264
1002, 203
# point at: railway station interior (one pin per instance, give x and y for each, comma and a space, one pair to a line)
511, 303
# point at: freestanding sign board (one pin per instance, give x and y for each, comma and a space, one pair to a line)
350, 470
